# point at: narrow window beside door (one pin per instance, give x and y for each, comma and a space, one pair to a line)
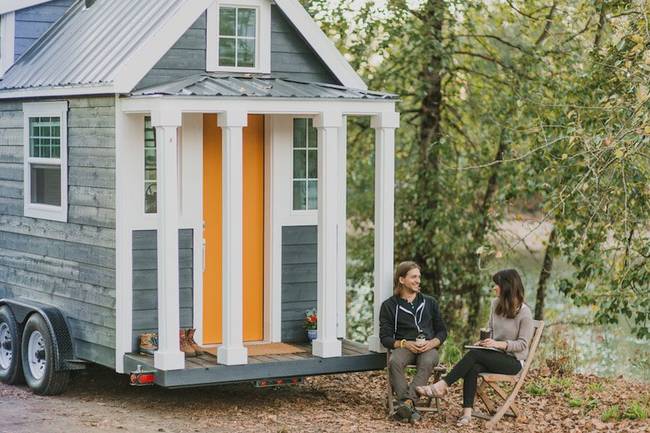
305, 165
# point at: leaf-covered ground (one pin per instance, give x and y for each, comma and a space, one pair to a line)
101, 401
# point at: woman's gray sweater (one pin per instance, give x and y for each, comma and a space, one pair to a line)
517, 332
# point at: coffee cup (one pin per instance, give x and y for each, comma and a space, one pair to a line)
421, 339
485, 333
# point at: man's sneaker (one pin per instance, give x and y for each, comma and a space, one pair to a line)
405, 410
415, 417
189, 337
185, 345
148, 343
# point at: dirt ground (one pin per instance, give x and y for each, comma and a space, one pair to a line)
100, 400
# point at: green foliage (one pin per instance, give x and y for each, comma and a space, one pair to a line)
612, 413
536, 389
563, 383
451, 351
595, 387
635, 410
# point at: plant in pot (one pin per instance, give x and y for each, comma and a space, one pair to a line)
310, 324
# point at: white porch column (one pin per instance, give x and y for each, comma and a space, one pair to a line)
341, 260
384, 125
168, 356
232, 350
329, 126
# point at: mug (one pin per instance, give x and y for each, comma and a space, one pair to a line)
485, 333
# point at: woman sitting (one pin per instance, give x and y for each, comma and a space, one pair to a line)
511, 325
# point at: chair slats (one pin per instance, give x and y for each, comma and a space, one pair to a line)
492, 377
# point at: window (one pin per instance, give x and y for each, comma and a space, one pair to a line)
7, 27
46, 177
150, 174
305, 165
239, 34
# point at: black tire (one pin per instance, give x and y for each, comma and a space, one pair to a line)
11, 372
48, 380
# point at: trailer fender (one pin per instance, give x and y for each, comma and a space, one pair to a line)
63, 350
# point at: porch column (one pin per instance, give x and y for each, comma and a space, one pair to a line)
341, 266
168, 356
232, 350
384, 125
329, 126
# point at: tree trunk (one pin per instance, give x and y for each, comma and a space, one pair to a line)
544, 275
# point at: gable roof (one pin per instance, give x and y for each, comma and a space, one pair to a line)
110, 46
256, 86
15, 5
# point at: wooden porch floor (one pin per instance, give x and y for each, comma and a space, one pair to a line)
203, 370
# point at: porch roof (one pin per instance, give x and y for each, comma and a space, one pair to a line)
255, 85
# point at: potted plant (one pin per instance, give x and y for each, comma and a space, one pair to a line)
311, 324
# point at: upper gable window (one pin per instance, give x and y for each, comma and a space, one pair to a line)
7, 36
239, 33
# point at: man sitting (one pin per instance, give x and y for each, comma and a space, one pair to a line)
412, 328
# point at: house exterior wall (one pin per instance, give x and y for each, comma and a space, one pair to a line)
33, 22
145, 286
291, 56
299, 245
68, 265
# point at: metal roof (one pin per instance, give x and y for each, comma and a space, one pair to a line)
87, 46
252, 85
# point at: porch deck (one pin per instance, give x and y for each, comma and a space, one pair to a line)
204, 370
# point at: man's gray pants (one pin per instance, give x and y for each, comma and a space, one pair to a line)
399, 359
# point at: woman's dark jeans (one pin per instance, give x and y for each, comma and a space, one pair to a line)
480, 361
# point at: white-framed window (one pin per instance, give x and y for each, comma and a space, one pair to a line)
46, 160
150, 168
305, 165
7, 38
238, 36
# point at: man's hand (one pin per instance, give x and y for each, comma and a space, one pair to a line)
428, 345
412, 346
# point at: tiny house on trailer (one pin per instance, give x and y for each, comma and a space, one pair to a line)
173, 164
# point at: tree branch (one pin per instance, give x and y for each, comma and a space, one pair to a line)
547, 26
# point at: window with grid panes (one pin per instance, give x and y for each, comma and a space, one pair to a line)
305, 165
45, 160
237, 36
150, 175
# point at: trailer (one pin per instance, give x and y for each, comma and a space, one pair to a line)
180, 164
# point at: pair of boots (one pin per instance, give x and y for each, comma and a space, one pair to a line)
187, 343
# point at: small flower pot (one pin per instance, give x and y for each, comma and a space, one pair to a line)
311, 334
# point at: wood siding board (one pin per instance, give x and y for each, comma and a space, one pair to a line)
11, 206
11, 171
298, 255
92, 216
97, 353
91, 177
94, 197
33, 22
91, 137
11, 154
82, 330
100, 157
11, 189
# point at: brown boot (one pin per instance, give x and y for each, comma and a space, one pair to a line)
189, 337
185, 345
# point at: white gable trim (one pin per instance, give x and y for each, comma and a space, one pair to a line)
145, 57
323, 46
7, 39
11, 6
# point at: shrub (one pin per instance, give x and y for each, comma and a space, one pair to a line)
612, 413
452, 352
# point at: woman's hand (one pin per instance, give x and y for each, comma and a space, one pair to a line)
488, 342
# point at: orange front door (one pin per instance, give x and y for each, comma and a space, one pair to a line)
253, 233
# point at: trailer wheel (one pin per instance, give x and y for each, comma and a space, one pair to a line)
11, 369
38, 359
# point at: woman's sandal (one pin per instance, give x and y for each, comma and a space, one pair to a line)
464, 421
428, 391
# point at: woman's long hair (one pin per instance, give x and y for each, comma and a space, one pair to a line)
400, 272
511, 295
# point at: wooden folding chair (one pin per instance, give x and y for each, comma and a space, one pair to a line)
428, 407
490, 380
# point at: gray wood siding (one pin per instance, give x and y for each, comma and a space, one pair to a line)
291, 56
68, 265
299, 245
33, 22
145, 281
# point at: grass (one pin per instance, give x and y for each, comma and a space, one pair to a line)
635, 411
575, 402
560, 382
536, 389
595, 387
612, 413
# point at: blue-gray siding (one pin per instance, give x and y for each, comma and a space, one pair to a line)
33, 22
68, 265
145, 281
299, 245
291, 56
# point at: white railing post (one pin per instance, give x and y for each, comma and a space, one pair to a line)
168, 356
232, 350
329, 126
384, 125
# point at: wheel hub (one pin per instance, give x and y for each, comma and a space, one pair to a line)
36, 355
6, 353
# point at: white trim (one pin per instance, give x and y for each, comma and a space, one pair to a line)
45, 109
14, 5
56, 92
160, 40
262, 36
272, 272
323, 46
8, 37
341, 232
